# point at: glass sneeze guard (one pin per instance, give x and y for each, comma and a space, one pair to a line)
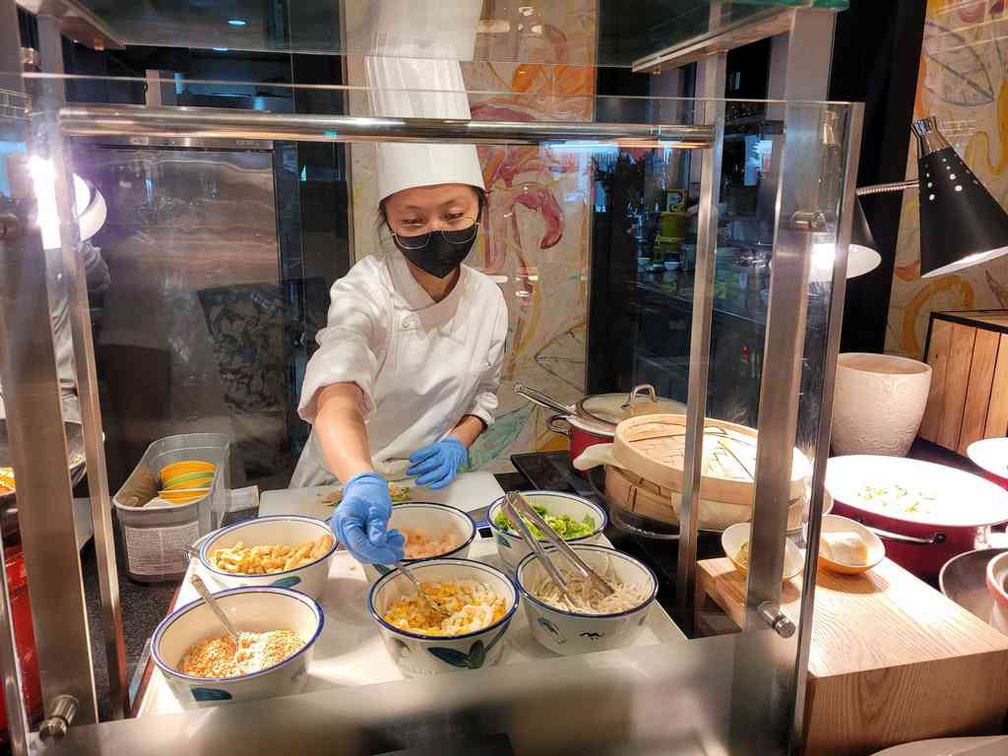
595, 232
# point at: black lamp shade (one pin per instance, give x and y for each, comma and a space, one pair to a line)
961, 224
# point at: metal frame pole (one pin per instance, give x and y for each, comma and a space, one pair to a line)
38, 441
12, 95
766, 677
51, 51
838, 293
712, 107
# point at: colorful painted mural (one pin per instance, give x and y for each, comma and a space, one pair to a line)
963, 80
536, 233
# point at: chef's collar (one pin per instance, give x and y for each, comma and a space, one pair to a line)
416, 299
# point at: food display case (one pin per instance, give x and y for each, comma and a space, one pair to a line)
227, 221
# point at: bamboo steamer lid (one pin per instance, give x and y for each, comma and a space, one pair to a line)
653, 447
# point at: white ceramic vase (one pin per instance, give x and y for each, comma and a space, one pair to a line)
878, 403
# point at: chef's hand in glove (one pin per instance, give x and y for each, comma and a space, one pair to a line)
436, 465
361, 520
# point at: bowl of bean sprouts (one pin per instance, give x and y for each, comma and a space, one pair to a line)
587, 619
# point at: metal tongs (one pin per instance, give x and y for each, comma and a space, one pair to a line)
515, 506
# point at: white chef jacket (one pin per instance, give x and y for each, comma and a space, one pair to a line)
421, 365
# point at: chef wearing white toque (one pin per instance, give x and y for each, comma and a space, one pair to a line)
410, 360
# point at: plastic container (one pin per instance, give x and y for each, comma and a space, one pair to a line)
154, 537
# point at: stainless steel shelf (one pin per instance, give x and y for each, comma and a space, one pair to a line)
183, 122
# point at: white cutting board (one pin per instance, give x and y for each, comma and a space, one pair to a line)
469, 491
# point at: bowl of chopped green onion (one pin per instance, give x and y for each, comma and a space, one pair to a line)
573, 518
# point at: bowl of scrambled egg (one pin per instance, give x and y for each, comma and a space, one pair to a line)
461, 622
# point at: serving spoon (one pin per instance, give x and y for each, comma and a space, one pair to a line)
204, 592
438, 609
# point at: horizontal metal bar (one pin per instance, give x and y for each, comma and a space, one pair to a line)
896, 186
76, 22
764, 23
137, 120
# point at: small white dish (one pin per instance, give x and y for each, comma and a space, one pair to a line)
432, 521
837, 524
511, 547
250, 610
568, 633
418, 655
734, 537
283, 530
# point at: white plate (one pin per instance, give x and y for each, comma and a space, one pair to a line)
961, 499
982, 746
991, 454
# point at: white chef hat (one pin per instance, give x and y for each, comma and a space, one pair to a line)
415, 72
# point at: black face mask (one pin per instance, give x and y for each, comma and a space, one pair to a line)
443, 252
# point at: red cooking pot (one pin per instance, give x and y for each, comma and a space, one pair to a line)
24, 637
580, 433
593, 420
925, 513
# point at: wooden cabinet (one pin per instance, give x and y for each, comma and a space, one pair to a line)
891, 659
968, 355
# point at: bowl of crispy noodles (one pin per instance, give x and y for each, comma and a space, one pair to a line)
277, 629
431, 531
479, 602
285, 551
587, 619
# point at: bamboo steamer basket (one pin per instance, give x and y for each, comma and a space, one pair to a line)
653, 447
645, 499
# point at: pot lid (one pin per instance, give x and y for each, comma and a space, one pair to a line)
591, 426
612, 409
653, 446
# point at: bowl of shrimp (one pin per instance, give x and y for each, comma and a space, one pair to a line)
432, 531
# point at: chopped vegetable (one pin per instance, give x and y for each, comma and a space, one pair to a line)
564, 526
899, 498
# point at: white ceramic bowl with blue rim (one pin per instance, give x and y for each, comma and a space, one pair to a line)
432, 521
512, 547
417, 655
282, 530
574, 633
250, 610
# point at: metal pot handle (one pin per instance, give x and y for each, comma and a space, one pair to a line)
635, 393
543, 400
932, 539
554, 425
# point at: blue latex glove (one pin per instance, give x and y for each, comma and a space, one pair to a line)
436, 465
361, 520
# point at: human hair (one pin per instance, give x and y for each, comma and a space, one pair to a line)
481, 200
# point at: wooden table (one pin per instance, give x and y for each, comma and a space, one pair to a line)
891, 660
